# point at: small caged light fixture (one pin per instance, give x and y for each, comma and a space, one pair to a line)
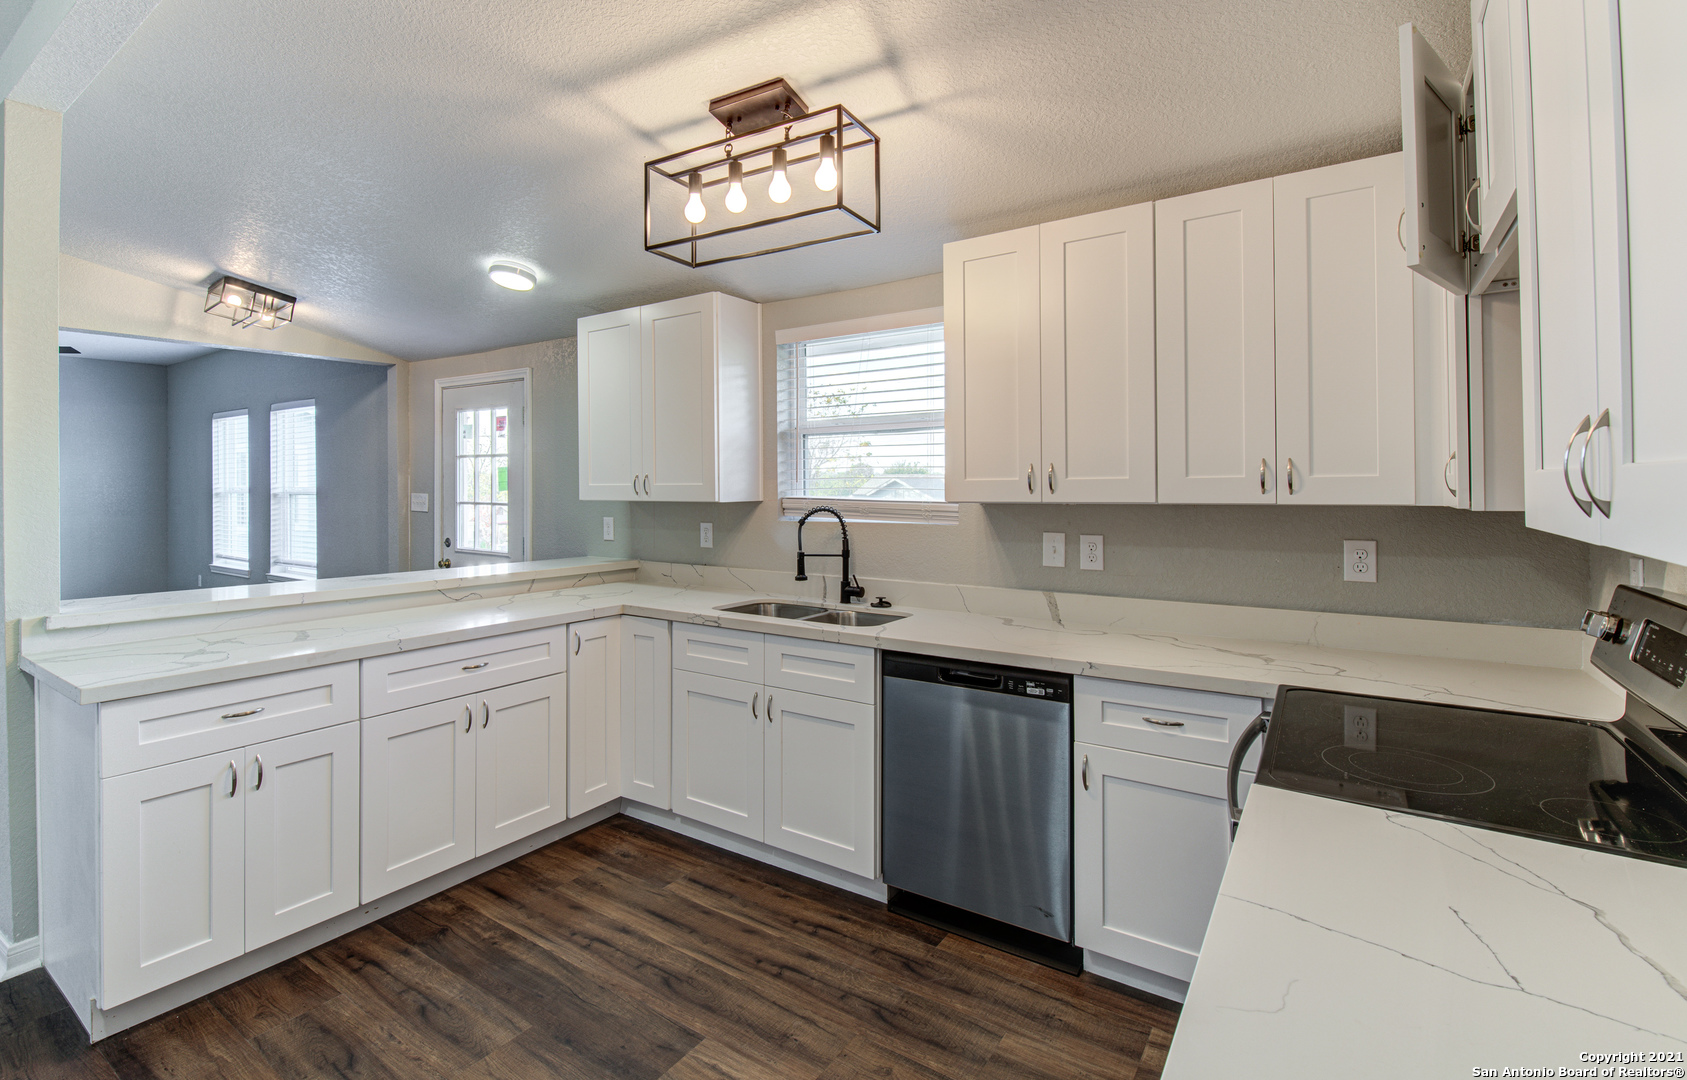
776, 181
246, 304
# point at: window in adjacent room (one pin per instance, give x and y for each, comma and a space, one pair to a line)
230, 484
292, 490
861, 418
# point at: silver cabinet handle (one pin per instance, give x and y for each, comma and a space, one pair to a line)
1051, 478
259, 783
1262, 468
1604, 505
485, 714
1451, 490
770, 708
1475, 229
1583, 428
1164, 723
755, 699
1031, 478
647, 483
576, 644
476, 667
1398, 225
635, 483
1085, 772
238, 715
1289, 473
468, 721
233, 778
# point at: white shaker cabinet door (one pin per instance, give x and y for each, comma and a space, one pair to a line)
521, 761
594, 714
1097, 324
992, 422
718, 746
1344, 337
1493, 24
610, 374
679, 392
821, 768
418, 793
173, 874
1214, 328
301, 831
1151, 837
646, 711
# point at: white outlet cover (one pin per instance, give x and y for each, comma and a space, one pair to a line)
706, 534
1054, 549
419, 502
609, 528
1089, 552
1359, 560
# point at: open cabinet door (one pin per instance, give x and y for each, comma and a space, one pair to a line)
1429, 112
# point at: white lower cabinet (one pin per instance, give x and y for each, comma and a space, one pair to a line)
521, 762
819, 759
594, 714
718, 752
646, 711
1151, 836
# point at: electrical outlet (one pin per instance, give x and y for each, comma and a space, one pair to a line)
706, 534
1637, 571
1359, 560
1054, 549
1359, 728
1089, 553
609, 528
419, 502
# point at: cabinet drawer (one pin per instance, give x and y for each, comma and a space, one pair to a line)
138, 733
1190, 725
407, 679
715, 650
818, 667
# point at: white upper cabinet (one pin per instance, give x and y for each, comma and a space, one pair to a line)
992, 415
1492, 24
1216, 339
1433, 227
1443, 391
670, 402
1344, 363
1097, 289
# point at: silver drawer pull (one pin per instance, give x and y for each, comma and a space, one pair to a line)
476, 667
1164, 723
238, 715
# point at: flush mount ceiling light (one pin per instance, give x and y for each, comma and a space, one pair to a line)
777, 181
246, 304
511, 276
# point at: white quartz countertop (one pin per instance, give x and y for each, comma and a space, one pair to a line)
87, 669
1350, 941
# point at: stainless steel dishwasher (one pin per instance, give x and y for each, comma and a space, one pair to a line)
978, 801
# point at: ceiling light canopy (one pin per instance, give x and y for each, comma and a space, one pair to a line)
512, 276
777, 181
246, 304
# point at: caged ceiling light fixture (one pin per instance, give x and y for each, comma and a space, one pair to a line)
246, 304
776, 181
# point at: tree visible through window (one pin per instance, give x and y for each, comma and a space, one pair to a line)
292, 489
230, 490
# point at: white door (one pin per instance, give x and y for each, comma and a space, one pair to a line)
594, 714
521, 762
1643, 331
301, 831
1344, 337
1442, 358
611, 405
992, 413
418, 794
1491, 27
718, 747
1556, 251
1431, 104
677, 343
821, 762
1098, 357
646, 711
1151, 837
1215, 334
172, 879
483, 486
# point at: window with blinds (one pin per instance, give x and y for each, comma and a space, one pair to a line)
230, 490
292, 489
861, 421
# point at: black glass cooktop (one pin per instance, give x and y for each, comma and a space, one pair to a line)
1573, 781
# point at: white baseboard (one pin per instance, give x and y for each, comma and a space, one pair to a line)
17, 957
1139, 978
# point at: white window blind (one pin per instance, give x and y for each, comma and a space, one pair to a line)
292, 489
230, 483
861, 423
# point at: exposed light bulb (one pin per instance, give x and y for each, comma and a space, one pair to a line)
735, 199
512, 277
779, 188
233, 299
694, 211
826, 176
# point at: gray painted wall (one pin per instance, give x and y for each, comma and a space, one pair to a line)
351, 447
113, 460
562, 524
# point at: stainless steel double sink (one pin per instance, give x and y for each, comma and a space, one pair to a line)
812, 613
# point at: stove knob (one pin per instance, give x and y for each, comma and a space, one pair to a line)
1602, 625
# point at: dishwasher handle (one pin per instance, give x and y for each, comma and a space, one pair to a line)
978, 680
1233, 775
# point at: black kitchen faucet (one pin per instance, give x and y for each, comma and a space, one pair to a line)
848, 588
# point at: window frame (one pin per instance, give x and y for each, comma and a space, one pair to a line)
226, 563
292, 570
786, 433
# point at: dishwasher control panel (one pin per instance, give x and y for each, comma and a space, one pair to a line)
1037, 688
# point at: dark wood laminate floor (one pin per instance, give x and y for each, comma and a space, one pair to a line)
622, 951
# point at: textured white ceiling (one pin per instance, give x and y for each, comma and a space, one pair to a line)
374, 155
134, 350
